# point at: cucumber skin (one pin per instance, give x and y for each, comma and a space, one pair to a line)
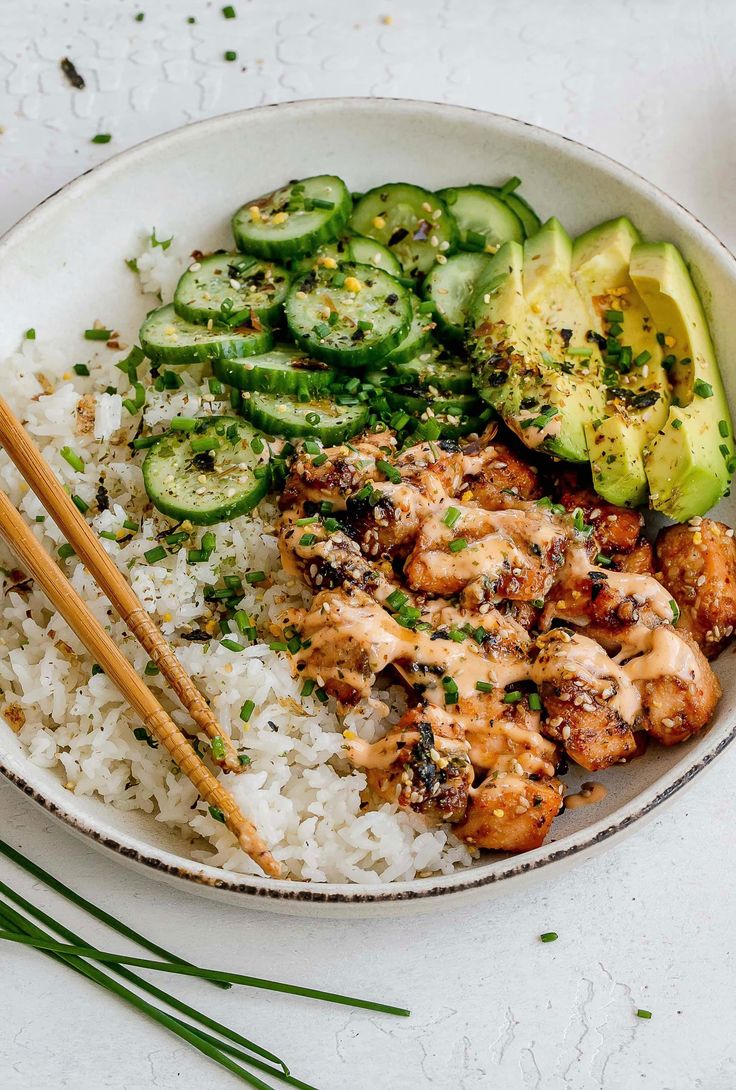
330, 435
236, 346
268, 315
357, 357
286, 249
272, 381
226, 511
450, 332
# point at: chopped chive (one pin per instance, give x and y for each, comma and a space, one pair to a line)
451, 516
196, 556
675, 611
603, 561
81, 369
108, 535
321, 696
243, 759
102, 138
307, 539
397, 599
230, 55
40, 518
484, 686
549, 936
641, 1013
509, 186
247, 710
723, 428
278, 645
578, 351
129, 524
65, 551
228, 11
388, 471
154, 555
255, 576
308, 520
31, 334
218, 748
201, 444
457, 635
142, 735
312, 418
256, 444
458, 545
642, 358
308, 687
614, 316
231, 645
97, 334
320, 202
512, 697
474, 240
80, 504
72, 458
677, 423
702, 389
216, 813
176, 538
535, 702
139, 17
151, 669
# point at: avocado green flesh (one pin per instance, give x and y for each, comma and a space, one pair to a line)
686, 469
522, 301
600, 270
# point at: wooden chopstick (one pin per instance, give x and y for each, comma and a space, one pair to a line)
71, 607
38, 473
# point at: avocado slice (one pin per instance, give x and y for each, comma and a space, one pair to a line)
638, 393
690, 460
524, 317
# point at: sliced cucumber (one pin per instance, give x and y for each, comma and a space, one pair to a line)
231, 288
483, 219
450, 287
419, 334
283, 370
366, 251
289, 417
294, 219
454, 416
167, 337
351, 315
530, 221
436, 369
412, 222
222, 479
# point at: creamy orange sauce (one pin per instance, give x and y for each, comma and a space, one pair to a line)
589, 794
586, 660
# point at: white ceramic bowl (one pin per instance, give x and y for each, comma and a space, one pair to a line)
62, 265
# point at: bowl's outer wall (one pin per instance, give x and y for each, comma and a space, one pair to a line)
62, 267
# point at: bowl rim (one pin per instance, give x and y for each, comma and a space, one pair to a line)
165, 862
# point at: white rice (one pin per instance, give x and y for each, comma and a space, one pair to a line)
300, 792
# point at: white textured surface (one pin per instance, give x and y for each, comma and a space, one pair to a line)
648, 924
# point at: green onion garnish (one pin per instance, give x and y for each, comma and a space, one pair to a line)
229, 11
81, 369
723, 428
549, 936
702, 389
151, 669
675, 611
458, 545
218, 748
72, 458
247, 710
535, 702
255, 576
643, 1014
80, 504
308, 520
65, 551
154, 555
201, 444
216, 813
512, 697
484, 686
97, 334
451, 516
230, 55
388, 471
102, 138
31, 334
308, 687
231, 645
614, 316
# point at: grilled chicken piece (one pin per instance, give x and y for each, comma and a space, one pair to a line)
678, 689
385, 519
605, 602
331, 560
345, 470
510, 813
698, 566
515, 552
640, 560
590, 703
422, 764
616, 529
498, 477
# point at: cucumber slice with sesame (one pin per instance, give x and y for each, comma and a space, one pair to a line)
419, 334
484, 220
295, 219
450, 288
166, 337
283, 370
366, 251
436, 369
412, 222
290, 418
350, 316
231, 288
215, 471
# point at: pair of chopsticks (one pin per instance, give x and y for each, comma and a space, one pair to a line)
39, 475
